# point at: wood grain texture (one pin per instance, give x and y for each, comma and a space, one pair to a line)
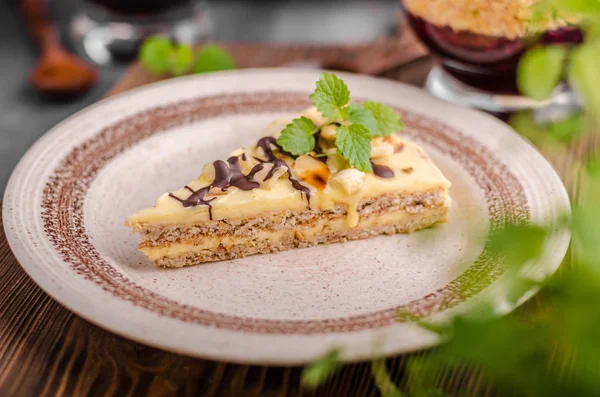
47, 351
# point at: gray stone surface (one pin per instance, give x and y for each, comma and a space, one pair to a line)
25, 115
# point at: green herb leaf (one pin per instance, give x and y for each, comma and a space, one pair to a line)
524, 123
388, 121
386, 387
566, 129
579, 6
358, 114
181, 59
354, 143
331, 96
583, 75
213, 58
540, 70
297, 137
519, 244
318, 372
155, 54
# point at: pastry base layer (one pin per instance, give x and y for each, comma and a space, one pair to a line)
185, 245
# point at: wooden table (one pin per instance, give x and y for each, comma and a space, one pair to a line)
46, 350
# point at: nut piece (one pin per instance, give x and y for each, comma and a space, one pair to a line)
298, 235
380, 149
328, 132
274, 129
261, 175
247, 165
311, 171
350, 180
313, 114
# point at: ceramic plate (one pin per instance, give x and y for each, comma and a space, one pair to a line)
67, 200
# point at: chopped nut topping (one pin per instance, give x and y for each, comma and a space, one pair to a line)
311, 171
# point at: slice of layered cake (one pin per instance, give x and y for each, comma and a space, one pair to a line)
339, 181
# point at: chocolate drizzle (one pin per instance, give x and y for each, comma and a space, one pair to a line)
230, 173
266, 144
382, 171
318, 149
196, 198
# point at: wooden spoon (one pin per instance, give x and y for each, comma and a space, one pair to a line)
57, 71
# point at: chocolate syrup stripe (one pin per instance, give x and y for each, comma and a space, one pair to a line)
229, 174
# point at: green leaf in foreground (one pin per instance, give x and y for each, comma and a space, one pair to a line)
354, 143
519, 244
579, 6
567, 128
386, 387
360, 115
388, 121
181, 59
297, 137
318, 372
540, 70
331, 96
213, 58
155, 53
583, 75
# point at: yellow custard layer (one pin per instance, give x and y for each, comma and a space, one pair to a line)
413, 172
502, 18
307, 234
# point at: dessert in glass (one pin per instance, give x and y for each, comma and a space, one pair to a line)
109, 30
479, 44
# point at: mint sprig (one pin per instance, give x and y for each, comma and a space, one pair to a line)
354, 143
213, 58
160, 56
297, 137
155, 53
360, 123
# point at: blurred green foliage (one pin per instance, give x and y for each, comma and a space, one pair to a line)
552, 350
160, 56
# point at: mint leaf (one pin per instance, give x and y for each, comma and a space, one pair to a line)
154, 54
540, 70
331, 96
579, 6
360, 115
318, 372
583, 75
212, 58
297, 137
388, 121
382, 379
518, 244
566, 129
354, 143
180, 59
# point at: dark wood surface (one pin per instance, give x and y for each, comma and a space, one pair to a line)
45, 350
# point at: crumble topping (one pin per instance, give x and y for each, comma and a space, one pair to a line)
503, 18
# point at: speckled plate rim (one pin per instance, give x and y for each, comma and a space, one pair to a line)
22, 216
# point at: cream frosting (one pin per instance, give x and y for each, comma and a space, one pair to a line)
413, 172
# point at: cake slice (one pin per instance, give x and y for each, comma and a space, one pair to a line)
264, 199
